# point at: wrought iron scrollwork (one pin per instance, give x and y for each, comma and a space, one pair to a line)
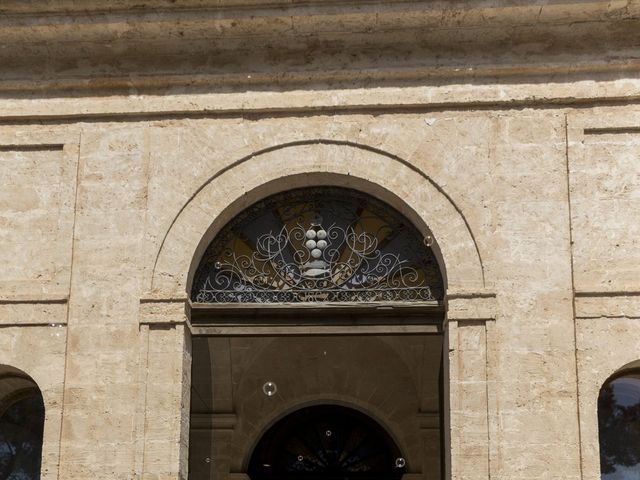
322, 245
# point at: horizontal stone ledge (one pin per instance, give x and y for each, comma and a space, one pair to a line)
471, 307
33, 299
607, 293
33, 147
612, 130
429, 420
23, 311
60, 323
163, 310
607, 304
268, 330
407, 99
213, 421
163, 300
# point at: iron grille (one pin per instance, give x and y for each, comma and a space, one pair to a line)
323, 244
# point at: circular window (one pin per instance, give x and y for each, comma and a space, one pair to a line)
329, 442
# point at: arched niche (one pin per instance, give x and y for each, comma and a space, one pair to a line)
22, 415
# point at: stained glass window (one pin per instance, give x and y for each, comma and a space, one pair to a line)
323, 244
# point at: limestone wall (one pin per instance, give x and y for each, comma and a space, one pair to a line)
547, 209
530, 186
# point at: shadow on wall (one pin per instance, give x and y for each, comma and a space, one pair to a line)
21, 425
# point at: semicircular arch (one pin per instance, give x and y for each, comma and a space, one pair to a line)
334, 439
368, 409
313, 163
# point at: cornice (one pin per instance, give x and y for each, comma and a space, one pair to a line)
542, 10
150, 46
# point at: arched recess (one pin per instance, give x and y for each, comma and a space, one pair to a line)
326, 441
381, 385
597, 365
327, 292
314, 163
22, 416
317, 162
371, 411
619, 424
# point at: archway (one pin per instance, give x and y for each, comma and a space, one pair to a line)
619, 426
328, 442
313, 294
21, 425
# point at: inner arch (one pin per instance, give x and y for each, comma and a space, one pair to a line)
326, 441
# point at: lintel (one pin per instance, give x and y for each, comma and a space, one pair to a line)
324, 313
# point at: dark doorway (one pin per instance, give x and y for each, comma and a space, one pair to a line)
320, 295
21, 426
327, 442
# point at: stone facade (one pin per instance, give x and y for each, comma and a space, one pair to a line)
130, 134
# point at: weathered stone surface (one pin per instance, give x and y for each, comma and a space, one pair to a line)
510, 133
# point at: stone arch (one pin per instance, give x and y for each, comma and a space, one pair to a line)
377, 430
311, 163
14, 385
633, 365
369, 410
618, 407
22, 419
597, 366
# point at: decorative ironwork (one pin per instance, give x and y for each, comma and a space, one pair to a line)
324, 244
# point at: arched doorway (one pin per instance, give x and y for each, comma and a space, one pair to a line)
316, 295
21, 425
328, 442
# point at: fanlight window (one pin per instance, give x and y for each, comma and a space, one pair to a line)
324, 244
619, 427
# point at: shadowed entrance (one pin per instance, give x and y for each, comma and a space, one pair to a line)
320, 296
328, 442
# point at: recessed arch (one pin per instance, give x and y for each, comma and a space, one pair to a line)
317, 162
365, 409
22, 416
326, 441
619, 423
395, 379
